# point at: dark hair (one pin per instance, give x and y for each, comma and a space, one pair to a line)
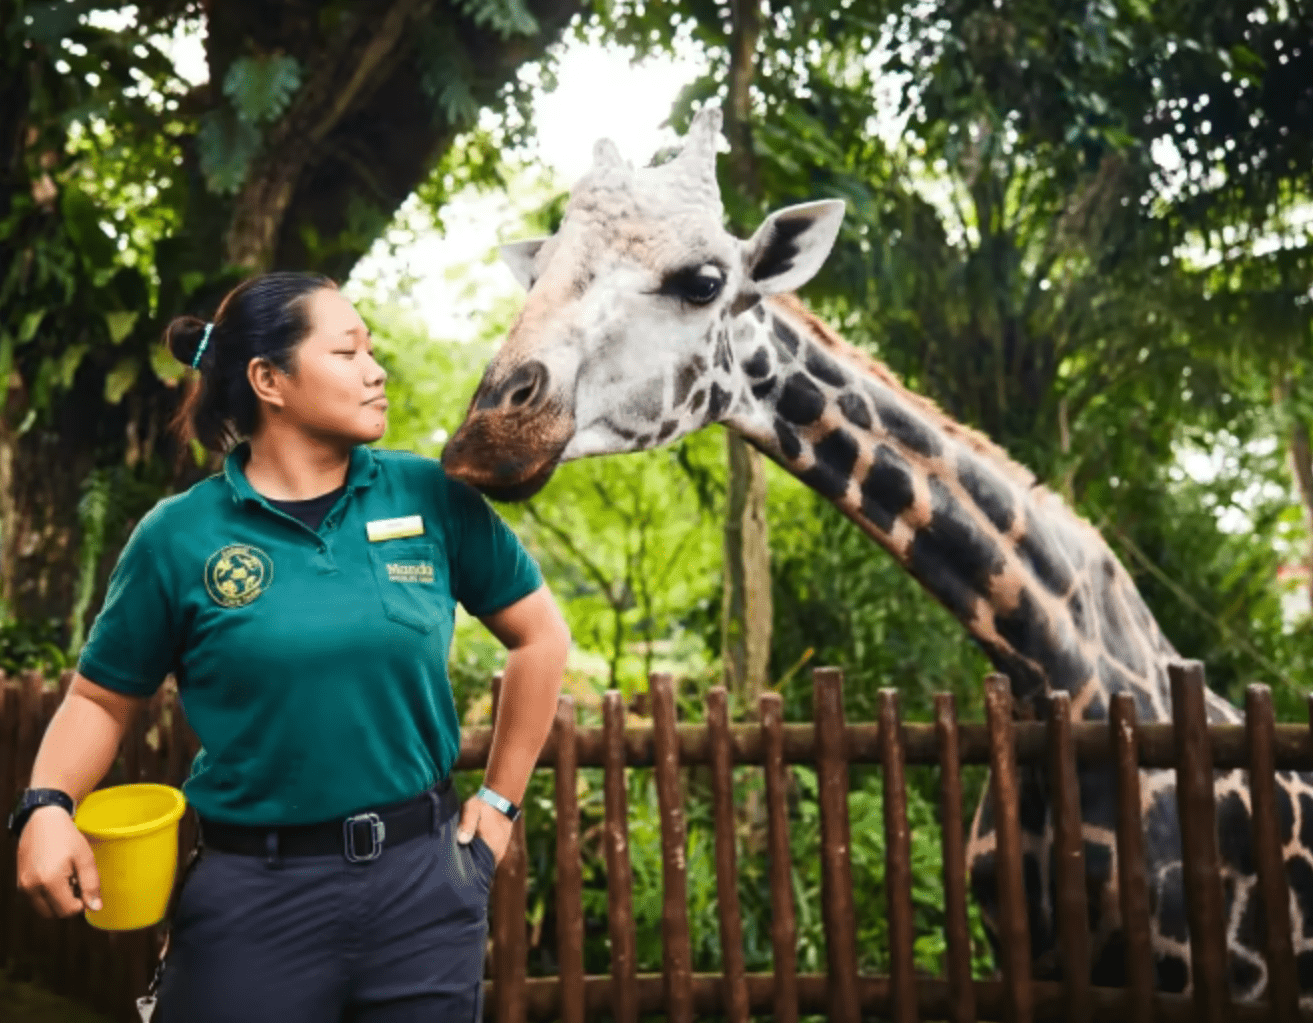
264, 317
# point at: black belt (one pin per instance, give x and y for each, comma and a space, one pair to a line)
359, 838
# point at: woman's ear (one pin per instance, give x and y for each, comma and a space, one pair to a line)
265, 381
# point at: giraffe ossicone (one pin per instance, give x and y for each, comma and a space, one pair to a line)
646, 320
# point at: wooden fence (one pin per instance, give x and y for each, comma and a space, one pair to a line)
108, 971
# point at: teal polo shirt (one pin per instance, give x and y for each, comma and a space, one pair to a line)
312, 665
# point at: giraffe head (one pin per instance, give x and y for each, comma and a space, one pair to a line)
626, 337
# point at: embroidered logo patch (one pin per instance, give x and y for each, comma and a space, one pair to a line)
410, 571
235, 575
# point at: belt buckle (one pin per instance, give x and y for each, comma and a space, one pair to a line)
377, 831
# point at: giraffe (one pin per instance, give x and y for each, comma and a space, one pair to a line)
645, 320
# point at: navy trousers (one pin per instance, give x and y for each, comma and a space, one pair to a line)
317, 939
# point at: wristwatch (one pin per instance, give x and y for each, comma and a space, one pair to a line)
34, 799
498, 802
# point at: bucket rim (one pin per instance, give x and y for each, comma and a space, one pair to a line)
171, 816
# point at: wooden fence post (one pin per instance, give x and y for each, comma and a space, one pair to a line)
569, 869
676, 955
961, 992
509, 910
1201, 861
1133, 886
836, 863
620, 876
1014, 929
727, 874
898, 863
1278, 948
1069, 859
783, 925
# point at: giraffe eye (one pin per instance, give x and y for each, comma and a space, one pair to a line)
697, 284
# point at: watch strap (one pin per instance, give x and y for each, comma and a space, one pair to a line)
498, 802
34, 799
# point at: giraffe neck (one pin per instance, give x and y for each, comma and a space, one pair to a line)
1035, 585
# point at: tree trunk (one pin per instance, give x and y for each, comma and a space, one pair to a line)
747, 615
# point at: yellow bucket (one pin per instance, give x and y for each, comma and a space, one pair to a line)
133, 831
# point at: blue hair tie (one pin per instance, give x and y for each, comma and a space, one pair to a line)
205, 340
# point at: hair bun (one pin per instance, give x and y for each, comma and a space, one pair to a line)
183, 337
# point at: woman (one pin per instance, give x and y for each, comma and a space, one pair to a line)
304, 599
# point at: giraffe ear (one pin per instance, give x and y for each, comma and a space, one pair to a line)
519, 257
791, 245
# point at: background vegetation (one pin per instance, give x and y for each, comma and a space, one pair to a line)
1081, 227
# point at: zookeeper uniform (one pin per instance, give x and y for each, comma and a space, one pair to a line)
311, 661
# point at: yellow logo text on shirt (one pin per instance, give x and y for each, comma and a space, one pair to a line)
410, 571
235, 575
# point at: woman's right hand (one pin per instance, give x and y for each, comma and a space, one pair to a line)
52, 856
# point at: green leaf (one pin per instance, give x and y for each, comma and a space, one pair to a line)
164, 365
261, 87
120, 378
6, 359
68, 364
191, 280
30, 324
226, 145
506, 17
120, 325
82, 221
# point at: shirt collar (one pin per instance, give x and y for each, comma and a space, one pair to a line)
360, 473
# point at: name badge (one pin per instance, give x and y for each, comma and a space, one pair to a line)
394, 529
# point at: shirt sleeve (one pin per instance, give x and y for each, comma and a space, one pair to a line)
490, 567
133, 641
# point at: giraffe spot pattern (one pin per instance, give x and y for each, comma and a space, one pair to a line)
1305, 821
1080, 615
1116, 628
759, 312
786, 336
667, 428
696, 401
1098, 798
1172, 974
790, 446
824, 368
887, 489
723, 358
1233, 837
718, 402
1304, 964
854, 410
824, 480
758, 363
1030, 631
1169, 904
1114, 680
687, 376
763, 387
1039, 550
1285, 815
951, 556
801, 401
838, 451
1300, 875
989, 492
904, 426
1162, 833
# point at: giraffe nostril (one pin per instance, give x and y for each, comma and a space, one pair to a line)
523, 395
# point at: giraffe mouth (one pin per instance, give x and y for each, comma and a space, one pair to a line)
498, 467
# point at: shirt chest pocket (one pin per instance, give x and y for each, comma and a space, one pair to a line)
411, 576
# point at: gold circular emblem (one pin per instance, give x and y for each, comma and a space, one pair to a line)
235, 575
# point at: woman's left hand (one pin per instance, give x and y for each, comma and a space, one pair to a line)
494, 827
